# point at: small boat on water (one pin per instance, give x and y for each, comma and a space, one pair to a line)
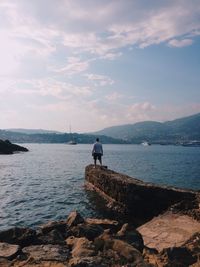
72, 141
145, 143
194, 143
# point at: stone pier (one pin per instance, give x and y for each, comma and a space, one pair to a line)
133, 197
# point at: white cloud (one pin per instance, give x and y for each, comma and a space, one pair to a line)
140, 111
44, 47
116, 113
74, 65
99, 80
180, 43
98, 28
113, 96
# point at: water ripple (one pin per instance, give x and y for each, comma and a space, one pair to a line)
48, 182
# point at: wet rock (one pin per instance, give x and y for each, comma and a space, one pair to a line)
74, 219
8, 251
130, 235
60, 226
47, 252
90, 231
19, 236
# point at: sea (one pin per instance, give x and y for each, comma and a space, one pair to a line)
47, 183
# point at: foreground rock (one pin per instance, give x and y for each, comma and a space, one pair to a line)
6, 147
91, 242
168, 230
73, 242
47, 253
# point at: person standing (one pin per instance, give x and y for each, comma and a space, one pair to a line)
97, 152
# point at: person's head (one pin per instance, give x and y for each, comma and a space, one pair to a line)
97, 139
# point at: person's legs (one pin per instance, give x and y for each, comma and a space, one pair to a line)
100, 160
95, 160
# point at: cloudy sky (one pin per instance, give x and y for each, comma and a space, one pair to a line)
94, 64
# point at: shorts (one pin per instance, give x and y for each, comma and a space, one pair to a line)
97, 156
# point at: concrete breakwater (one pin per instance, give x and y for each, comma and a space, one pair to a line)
138, 200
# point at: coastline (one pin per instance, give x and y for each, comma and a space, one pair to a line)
91, 242
170, 237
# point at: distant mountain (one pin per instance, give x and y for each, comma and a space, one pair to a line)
19, 137
30, 131
179, 130
170, 132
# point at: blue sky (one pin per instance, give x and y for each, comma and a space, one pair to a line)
93, 64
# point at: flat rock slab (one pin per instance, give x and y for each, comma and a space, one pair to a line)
47, 252
168, 230
8, 251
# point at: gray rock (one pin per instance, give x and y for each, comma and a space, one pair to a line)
8, 251
47, 252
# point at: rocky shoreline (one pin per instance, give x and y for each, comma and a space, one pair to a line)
166, 236
6, 147
79, 242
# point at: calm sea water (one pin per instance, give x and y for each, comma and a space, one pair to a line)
48, 182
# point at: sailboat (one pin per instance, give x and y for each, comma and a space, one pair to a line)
72, 141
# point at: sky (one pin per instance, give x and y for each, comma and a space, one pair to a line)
93, 64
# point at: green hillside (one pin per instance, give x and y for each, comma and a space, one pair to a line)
179, 130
